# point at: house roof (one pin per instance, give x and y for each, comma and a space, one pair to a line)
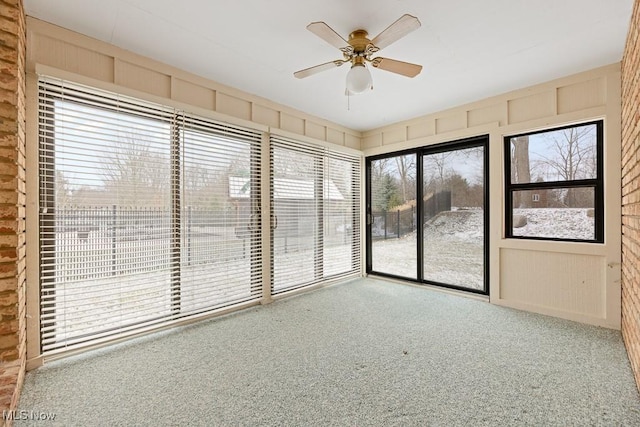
285, 189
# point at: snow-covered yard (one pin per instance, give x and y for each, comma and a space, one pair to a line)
86, 296
561, 223
453, 243
218, 269
453, 250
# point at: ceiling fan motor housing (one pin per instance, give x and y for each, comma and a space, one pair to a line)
359, 40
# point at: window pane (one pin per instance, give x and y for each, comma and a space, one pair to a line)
560, 213
105, 225
144, 215
558, 155
340, 248
393, 207
315, 202
297, 198
219, 237
454, 217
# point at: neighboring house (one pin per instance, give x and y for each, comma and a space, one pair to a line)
294, 199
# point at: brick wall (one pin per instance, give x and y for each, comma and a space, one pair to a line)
12, 202
631, 193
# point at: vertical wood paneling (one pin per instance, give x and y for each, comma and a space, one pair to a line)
60, 49
372, 141
193, 94
335, 136
73, 58
451, 123
291, 123
139, 78
314, 130
266, 116
492, 114
421, 129
232, 106
532, 107
352, 141
558, 281
394, 136
580, 96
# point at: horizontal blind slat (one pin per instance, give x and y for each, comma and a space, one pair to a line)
137, 226
318, 213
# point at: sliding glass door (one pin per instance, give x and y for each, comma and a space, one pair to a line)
315, 203
453, 217
426, 216
392, 216
147, 215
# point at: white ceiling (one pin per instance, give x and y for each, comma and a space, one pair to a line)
470, 49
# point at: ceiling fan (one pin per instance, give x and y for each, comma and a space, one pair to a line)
359, 49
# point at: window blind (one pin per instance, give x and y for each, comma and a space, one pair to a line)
141, 217
315, 204
341, 214
221, 238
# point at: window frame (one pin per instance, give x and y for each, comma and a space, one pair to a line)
321, 157
482, 141
597, 184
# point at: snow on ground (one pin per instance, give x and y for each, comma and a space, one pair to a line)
453, 254
217, 271
453, 250
556, 223
453, 243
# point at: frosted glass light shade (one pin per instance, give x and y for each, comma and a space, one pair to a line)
358, 79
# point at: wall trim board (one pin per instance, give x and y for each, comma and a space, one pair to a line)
425, 141
81, 56
499, 100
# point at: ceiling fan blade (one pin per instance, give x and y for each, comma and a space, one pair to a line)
327, 34
403, 26
399, 67
318, 68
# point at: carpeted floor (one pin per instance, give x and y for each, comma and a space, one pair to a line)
362, 353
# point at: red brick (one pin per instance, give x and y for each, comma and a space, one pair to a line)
7, 285
8, 299
631, 193
12, 188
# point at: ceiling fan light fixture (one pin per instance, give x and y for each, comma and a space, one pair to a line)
358, 79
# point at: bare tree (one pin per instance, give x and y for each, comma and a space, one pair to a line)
520, 168
406, 166
476, 156
135, 174
440, 161
290, 163
437, 169
63, 192
570, 155
204, 187
379, 168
